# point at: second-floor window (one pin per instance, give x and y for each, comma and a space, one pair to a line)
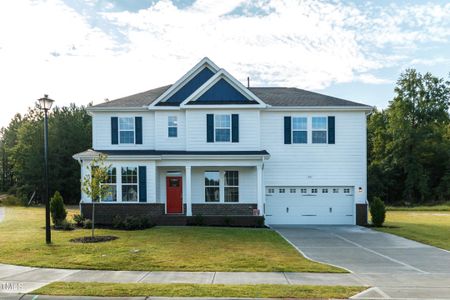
319, 130
126, 130
222, 128
172, 129
299, 130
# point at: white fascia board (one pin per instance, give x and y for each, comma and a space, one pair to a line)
224, 106
164, 108
119, 157
222, 74
320, 108
205, 62
215, 157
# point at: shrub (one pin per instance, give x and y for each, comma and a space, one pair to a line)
117, 222
227, 221
11, 201
146, 222
65, 225
132, 223
378, 211
57, 210
87, 224
199, 220
78, 219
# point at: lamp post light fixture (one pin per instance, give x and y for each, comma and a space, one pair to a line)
45, 104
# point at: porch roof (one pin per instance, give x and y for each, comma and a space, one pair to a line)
178, 153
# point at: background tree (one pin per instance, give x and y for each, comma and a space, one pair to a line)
93, 181
409, 144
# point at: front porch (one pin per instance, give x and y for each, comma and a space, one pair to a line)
180, 190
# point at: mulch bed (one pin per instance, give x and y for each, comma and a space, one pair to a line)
95, 239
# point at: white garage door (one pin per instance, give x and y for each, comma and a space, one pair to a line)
309, 205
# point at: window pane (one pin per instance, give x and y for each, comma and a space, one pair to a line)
232, 178
126, 124
319, 137
112, 175
299, 123
231, 194
127, 137
129, 193
319, 123
173, 131
212, 194
223, 135
222, 121
172, 121
112, 194
129, 175
299, 137
212, 178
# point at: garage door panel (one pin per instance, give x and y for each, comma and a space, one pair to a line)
314, 205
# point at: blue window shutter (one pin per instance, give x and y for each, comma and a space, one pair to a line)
331, 130
210, 128
138, 130
235, 128
114, 130
142, 184
287, 130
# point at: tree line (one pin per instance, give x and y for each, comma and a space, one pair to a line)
22, 152
408, 146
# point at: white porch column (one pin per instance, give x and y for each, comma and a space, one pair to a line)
151, 182
259, 189
188, 192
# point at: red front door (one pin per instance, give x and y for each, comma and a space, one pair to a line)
174, 186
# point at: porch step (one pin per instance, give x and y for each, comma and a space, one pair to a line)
172, 220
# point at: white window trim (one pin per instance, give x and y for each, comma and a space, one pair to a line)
326, 130
169, 126
134, 130
292, 130
221, 187
111, 184
122, 184
230, 128
231, 186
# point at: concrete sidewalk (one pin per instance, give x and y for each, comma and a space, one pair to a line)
17, 279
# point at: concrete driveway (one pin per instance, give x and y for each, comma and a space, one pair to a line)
395, 266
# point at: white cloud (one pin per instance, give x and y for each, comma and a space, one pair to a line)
49, 47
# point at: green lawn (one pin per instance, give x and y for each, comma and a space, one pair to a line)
429, 227
198, 290
161, 248
441, 207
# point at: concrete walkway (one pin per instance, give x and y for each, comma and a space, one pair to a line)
396, 267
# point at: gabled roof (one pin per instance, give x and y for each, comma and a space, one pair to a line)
274, 96
207, 84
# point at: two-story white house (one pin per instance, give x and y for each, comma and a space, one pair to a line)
207, 145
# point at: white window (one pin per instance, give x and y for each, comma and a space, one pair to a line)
335, 191
212, 186
222, 128
325, 191
112, 183
172, 126
281, 191
319, 130
346, 191
299, 130
292, 191
129, 184
314, 191
271, 191
231, 186
126, 130
303, 191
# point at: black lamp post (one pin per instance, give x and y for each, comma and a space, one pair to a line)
46, 104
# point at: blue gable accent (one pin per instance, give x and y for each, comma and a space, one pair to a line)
191, 86
222, 91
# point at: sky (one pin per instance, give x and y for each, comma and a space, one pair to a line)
89, 50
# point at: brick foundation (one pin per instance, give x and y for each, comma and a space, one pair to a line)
361, 214
105, 212
219, 209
